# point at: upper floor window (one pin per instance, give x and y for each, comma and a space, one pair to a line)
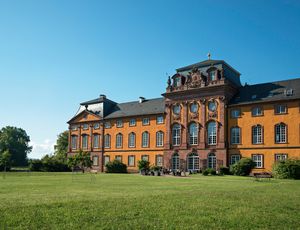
96, 126
176, 109
193, 134
194, 108
280, 133
258, 160
280, 109
280, 156
212, 106
212, 75
132, 122
257, 134
107, 141
160, 119
131, 141
145, 139
146, 121
84, 141
96, 140
235, 113
212, 133
257, 111
119, 140
176, 134
119, 123
107, 125
74, 127
159, 139
74, 142
235, 135
85, 126
177, 82
234, 159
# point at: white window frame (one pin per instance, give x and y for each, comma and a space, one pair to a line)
257, 134
107, 140
96, 126
118, 158
84, 141
85, 126
145, 157
160, 119
131, 140
146, 121
95, 161
234, 158
258, 159
281, 156
193, 134
119, 141
193, 163
159, 160
212, 160
175, 162
235, 135
212, 133
119, 123
74, 140
176, 109
132, 122
96, 141
280, 109
74, 127
106, 159
280, 133
131, 160
107, 125
194, 107
159, 139
176, 135
235, 113
256, 111
145, 139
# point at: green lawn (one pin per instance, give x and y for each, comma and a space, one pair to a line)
103, 201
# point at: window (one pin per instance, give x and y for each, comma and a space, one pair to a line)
74, 127
159, 139
160, 119
107, 125
194, 108
257, 111
119, 140
235, 135
96, 141
280, 133
145, 157
107, 141
119, 123
212, 133
95, 160
175, 162
131, 142
146, 121
234, 159
85, 126
74, 142
96, 126
84, 141
258, 160
106, 159
176, 109
212, 75
176, 134
177, 82
193, 134
132, 122
280, 157
212, 106
159, 160
131, 161
235, 113
193, 162
212, 161
257, 137
145, 139
118, 158
280, 109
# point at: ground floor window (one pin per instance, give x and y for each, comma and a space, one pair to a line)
106, 159
193, 162
258, 160
159, 160
175, 161
212, 161
118, 158
280, 156
234, 158
145, 157
95, 160
131, 161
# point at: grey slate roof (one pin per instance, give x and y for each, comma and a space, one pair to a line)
267, 92
151, 106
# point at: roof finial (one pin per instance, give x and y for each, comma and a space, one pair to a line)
208, 55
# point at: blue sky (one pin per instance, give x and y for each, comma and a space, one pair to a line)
56, 54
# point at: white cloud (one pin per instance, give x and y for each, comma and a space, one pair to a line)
40, 149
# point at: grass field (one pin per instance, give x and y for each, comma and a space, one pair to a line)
103, 201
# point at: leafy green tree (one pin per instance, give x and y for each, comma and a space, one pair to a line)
5, 160
16, 141
81, 159
61, 147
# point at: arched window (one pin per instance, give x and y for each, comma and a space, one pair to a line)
175, 161
145, 139
257, 134
193, 162
176, 134
84, 141
212, 133
107, 141
212, 161
235, 135
131, 141
193, 134
119, 140
159, 139
96, 141
280, 133
74, 142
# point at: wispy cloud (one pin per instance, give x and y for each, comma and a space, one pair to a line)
40, 149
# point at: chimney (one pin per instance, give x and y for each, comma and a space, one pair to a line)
102, 96
142, 99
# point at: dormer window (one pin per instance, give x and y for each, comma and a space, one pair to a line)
288, 92
177, 82
212, 75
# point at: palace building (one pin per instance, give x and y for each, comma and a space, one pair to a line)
205, 119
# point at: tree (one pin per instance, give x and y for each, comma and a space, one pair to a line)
5, 160
16, 141
81, 159
61, 147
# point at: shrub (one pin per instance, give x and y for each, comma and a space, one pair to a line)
205, 172
242, 167
48, 164
144, 165
288, 169
35, 165
116, 167
224, 170
209, 171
